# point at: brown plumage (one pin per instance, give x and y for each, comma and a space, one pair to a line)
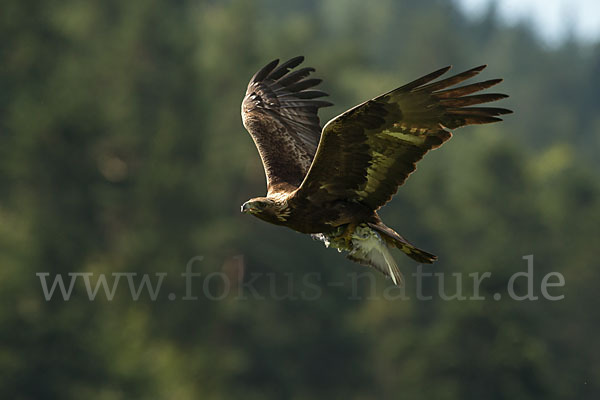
331, 183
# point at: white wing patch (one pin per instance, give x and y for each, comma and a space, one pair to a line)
376, 173
415, 136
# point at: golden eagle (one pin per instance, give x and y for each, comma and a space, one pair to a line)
331, 182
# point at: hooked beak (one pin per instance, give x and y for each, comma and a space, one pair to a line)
246, 208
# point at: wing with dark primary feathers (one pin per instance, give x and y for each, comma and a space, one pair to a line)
280, 113
368, 151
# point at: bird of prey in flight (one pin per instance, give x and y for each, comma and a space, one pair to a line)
330, 182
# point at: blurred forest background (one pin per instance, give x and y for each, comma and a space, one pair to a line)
122, 150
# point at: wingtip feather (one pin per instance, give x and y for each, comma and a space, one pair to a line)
285, 67
264, 71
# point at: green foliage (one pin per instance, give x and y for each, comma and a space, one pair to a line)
122, 150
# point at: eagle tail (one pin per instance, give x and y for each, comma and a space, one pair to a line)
393, 238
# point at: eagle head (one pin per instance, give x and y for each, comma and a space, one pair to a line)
265, 209
257, 205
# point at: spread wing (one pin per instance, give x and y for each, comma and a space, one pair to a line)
368, 151
280, 113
